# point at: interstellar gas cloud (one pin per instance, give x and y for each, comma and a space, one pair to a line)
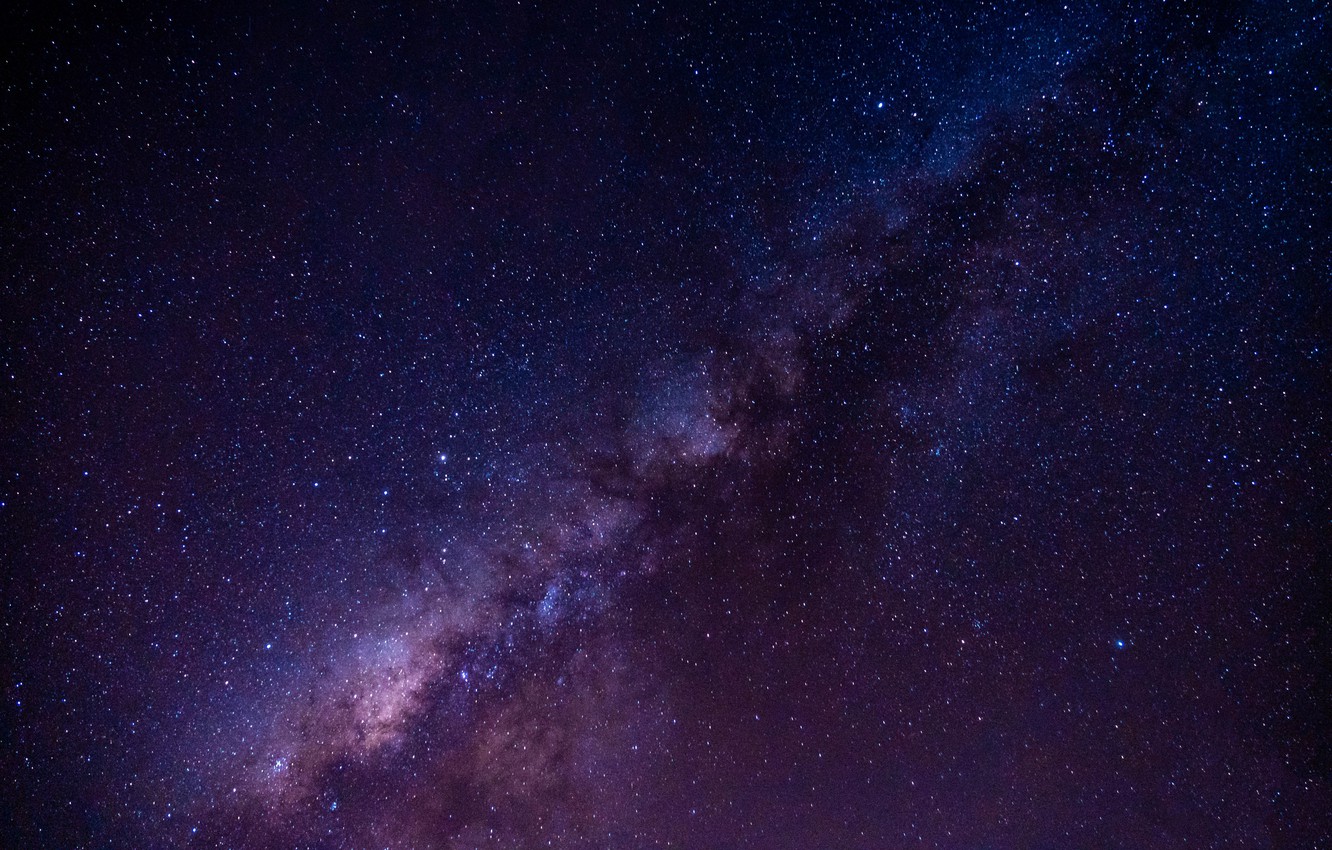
812, 425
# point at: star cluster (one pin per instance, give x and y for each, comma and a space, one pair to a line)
636, 425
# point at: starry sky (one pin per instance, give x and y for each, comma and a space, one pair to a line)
645, 425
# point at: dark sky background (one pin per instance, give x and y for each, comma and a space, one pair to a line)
648, 425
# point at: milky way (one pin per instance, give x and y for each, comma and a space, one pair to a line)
810, 426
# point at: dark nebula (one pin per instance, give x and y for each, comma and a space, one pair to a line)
646, 425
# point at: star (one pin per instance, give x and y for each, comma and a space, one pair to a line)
793, 453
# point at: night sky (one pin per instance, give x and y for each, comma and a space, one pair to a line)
653, 425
